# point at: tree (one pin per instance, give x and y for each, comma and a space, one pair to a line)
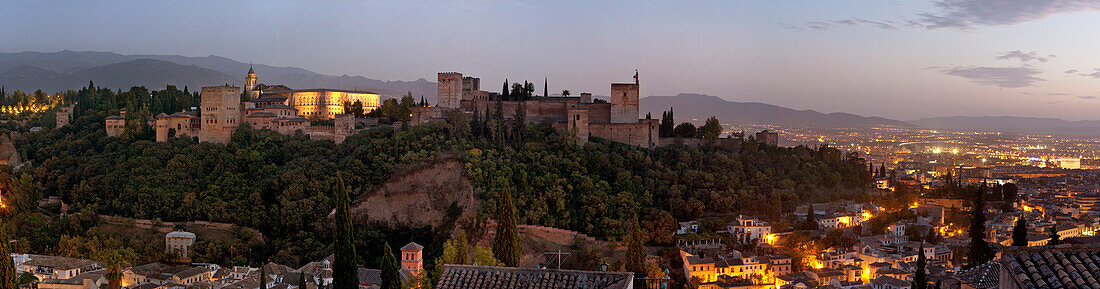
391, 270
686, 130
506, 246
7, 269
115, 259
920, 278
1055, 239
668, 124
504, 90
811, 219
302, 280
263, 277
711, 130
634, 261
1019, 233
345, 269
980, 250
565, 93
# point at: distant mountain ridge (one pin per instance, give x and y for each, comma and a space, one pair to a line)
700, 106
56, 71
1014, 124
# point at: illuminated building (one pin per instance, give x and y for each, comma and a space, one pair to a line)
314, 104
749, 230
710, 269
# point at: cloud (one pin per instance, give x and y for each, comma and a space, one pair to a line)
886, 24
1005, 77
1071, 71
1054, 102
818, 25
1095, 73
1089, 97
969, 14
1020, 55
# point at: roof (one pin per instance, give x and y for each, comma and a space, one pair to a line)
191, 272
487, 277
58, 263
262, 114
981, 277
148, 268
412, 246
115, 117
887, 280
318, 90
370, 276
1063, 266
180, 234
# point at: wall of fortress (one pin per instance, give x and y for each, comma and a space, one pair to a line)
644, 133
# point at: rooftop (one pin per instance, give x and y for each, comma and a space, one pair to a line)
486, 277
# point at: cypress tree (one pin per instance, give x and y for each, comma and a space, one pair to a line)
545, 88
811, 218
263, 277
635, 252
302, 280
980, 251
504, 90
1055, 239
920, 278
1019, 233
391, 271
7, 269
506, 246
345, 268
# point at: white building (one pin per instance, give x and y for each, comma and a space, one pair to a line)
748, 230
179, 242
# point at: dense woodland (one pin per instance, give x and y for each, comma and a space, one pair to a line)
283, 186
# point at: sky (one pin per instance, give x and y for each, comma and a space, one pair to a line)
896, 59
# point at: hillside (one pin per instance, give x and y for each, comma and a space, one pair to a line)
55, 71
700, 107
1012, 124
420, 197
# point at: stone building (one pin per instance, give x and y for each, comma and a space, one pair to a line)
412, 259
65, 116
768, 138
616, 120
116, 124
179, 242
220, 112
315, 104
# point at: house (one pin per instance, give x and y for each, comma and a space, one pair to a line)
749, 230
54, 267
488, 277
689, 227
887, 282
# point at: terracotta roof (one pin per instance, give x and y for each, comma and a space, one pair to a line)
981, 277
412, 246
486, 277
1063, 266
370, 276
59, 263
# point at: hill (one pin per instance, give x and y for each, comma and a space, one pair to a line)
139, 72
701, 106
63, 66
1012, 124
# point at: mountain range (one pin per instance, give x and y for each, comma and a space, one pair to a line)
63, 70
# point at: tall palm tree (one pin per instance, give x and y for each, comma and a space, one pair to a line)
115, 259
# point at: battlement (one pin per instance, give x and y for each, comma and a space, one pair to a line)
450, 74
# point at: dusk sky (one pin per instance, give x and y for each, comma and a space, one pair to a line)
896, 59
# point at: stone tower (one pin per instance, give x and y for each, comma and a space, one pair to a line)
449, 89
250, 82
624, 102
412, 258
221, 113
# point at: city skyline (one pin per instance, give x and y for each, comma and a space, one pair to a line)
901, 60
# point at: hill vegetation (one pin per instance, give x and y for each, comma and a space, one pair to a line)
284, 185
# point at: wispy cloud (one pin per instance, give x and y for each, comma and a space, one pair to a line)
1089, 97
1006, 77
818, 25
969, 14
1054, 102
1095, 73
1022, 56
1071, 71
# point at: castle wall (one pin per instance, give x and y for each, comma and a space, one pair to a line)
115, 126
221, 113
644, 133
577, 122
162, 129
599, 112
449, 89
624, 102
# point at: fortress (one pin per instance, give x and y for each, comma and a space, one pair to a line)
277, 108
616, 120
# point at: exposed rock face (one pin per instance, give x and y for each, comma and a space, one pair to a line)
419, 197
8, 154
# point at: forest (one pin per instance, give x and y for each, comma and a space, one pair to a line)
282, 185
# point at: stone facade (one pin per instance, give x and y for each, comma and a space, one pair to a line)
318, 104
221, 113
65, 116
768, 138
449, 87
617, 121
115, 125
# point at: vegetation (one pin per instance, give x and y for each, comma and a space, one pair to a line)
391, 270
920, 278
506, 247
1019, 233
7, 269
262, 176
345, 274
980, 250
1055, 239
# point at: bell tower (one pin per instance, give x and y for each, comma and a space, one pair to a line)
250, 81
